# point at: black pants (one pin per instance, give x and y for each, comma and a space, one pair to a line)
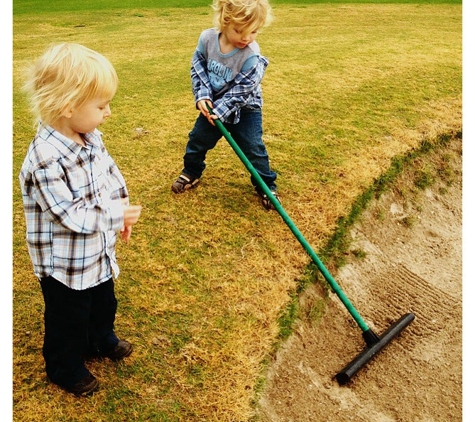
77, 322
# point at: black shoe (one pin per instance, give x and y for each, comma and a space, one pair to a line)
83, 388
184, 182
119, 352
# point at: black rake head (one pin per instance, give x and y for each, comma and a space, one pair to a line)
374, 344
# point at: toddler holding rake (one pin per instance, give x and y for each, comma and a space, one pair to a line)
226, 73
75, 201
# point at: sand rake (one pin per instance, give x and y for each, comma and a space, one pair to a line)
374, 343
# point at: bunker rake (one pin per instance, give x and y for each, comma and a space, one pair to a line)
374, 343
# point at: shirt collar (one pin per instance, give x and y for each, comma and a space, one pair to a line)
67, 146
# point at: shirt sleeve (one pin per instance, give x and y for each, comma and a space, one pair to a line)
246, 83
116, 180
201, 85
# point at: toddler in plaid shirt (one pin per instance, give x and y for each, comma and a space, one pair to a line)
75, 203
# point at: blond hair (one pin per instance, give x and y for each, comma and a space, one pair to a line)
248, 15
68, 75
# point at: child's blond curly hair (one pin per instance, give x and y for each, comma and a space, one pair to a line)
248, 15
68, 75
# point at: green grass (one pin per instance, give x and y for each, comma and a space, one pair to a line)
26, 6
208, 276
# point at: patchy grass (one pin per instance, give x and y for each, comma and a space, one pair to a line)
210, 281
421, 167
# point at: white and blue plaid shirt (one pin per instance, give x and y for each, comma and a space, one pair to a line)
245, 89
72, 197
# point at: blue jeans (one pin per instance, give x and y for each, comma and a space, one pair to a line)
247, 134
76, 322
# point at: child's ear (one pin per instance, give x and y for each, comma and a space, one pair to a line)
67, 111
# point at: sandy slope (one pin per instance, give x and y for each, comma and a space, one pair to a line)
409, 267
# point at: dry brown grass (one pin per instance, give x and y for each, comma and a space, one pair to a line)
208, 273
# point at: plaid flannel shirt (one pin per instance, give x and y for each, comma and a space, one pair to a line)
72, 197
245, 91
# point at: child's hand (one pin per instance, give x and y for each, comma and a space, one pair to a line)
125, 233
131, 216
203, 108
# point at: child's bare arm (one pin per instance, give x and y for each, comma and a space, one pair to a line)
131, 214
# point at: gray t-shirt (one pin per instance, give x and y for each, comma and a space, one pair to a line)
223, 68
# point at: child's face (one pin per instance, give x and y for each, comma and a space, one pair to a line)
90, 115
238, 37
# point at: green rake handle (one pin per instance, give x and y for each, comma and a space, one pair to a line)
331, 281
